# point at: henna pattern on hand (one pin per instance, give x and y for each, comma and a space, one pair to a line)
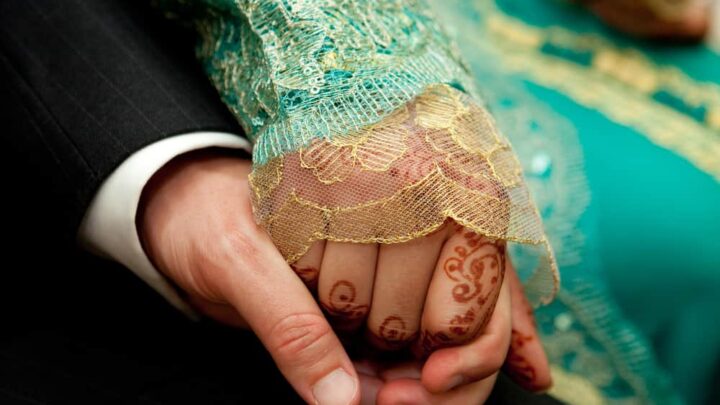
477, 267
460, 324
393, 328
517, 366
341, 304
393, 333
469, 266
460, 328
431, 341
309, 275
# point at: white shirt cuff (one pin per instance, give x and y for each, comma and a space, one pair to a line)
108, 228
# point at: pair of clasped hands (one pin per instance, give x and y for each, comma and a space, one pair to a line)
450, 300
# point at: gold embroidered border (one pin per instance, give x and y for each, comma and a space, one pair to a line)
438, 157
619, 85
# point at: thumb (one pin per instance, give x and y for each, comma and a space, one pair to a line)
283, 314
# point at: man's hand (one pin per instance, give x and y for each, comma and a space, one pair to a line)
197, 227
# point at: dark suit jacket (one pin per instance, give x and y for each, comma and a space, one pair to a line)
83, 84
86, 83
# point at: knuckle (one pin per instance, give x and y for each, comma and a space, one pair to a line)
308, 274
343, 305
393, 332
300, 339
451, 331
230, 248
240, 244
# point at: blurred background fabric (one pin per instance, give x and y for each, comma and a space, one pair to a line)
620, 143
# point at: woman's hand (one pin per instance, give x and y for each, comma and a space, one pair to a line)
439, 293
438, 290
466, 374
455, 375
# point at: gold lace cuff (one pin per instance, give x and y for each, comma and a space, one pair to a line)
439, 157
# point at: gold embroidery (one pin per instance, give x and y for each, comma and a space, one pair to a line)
619, 83
714, 118
438, 157
573, 388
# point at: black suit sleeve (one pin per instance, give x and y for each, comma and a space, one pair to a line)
84, 84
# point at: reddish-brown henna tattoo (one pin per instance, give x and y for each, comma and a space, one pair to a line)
309, 275
460, 324
393, 328
393, 333
517, 366
469, 266
341, 303
477, 268
431, 341
461, 328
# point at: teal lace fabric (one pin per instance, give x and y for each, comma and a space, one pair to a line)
294, 71
366, 126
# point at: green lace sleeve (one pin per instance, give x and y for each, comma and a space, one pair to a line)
293, 71
365, 123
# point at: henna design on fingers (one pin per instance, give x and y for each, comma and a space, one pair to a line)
517, 366
309, 275
460, 328
469, 266
460, 324
431, 341
393, 328
477, 268
393, 333
341, 303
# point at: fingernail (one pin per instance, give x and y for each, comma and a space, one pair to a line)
336, 388
455, 382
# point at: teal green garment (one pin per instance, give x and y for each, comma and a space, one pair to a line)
659, 249
295, 71
637, 315
619, 141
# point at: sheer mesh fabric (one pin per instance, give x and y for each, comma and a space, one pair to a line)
438, 157
365, 122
